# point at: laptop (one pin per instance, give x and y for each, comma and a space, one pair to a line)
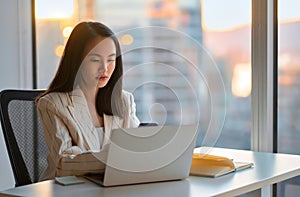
148, 154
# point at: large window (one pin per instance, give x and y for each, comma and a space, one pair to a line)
184, 58
185, 61
289, 86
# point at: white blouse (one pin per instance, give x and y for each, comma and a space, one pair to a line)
100, 131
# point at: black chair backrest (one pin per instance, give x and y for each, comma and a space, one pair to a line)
23, 135
148, 124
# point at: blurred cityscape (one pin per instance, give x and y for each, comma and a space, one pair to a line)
172, 65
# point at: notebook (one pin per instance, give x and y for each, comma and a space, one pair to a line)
148, 154
215, 166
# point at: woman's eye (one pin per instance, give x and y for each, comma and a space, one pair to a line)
110, 61
94, 60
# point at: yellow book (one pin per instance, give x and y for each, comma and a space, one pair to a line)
214, 166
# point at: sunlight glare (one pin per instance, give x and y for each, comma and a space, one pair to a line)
241, 80
126, 39
54, 9
67, 31
59, 50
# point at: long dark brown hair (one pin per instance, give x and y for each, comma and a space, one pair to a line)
109, 98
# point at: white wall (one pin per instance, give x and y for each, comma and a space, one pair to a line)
15, 65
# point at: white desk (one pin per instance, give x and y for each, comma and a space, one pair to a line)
269, 168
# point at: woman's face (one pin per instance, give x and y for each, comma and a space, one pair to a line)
99, 63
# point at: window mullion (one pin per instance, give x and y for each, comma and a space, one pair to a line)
262, 75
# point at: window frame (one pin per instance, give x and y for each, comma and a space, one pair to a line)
264, 76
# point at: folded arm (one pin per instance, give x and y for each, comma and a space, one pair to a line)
68, 158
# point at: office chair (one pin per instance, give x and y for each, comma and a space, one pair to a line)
23, 135
148, 124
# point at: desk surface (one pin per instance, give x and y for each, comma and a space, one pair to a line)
268, 169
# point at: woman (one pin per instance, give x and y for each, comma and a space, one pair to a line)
84, 102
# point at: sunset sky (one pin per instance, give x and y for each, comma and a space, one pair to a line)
217, 14
221, 14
